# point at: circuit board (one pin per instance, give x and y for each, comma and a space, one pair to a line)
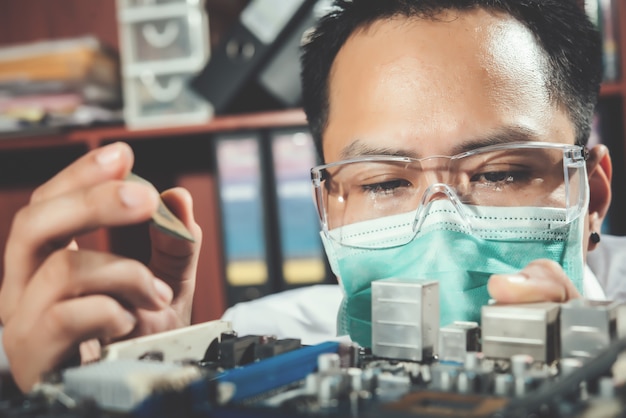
531, 360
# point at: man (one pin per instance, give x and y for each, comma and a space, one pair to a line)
388, 85
429, 78
393, 89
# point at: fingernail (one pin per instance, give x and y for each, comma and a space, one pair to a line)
108, 155
163, 290
516, 278
132, 194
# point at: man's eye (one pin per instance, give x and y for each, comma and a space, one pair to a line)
500, 177
493, 177
386, 187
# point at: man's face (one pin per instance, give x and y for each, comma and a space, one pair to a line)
435, 87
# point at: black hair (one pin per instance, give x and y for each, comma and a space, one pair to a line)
570, 41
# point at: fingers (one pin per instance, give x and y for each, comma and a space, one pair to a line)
112, 161
63, 324
43, 227
76, 296
60, 205
73, 274
111, 203
179, 201
175, 260
540, 281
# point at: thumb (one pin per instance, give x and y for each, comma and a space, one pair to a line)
540, 281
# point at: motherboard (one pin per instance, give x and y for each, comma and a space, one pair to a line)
528, 360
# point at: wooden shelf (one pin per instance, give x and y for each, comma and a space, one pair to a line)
93, 136
612, 89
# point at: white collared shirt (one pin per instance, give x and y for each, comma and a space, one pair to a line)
591, 286
608, 262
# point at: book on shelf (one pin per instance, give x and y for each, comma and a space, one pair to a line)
55, 83
82, 58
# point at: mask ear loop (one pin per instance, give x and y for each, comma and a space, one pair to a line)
430, 195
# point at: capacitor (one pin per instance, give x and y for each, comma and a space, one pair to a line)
504, 384
328, 362
520, 364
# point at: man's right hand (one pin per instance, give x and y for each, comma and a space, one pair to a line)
55, 296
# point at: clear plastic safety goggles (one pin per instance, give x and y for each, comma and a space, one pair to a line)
512, 175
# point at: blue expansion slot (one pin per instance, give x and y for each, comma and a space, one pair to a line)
250, 381
257, 378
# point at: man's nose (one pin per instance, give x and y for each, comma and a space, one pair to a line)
441, 192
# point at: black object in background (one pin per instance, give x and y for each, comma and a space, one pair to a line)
257, 65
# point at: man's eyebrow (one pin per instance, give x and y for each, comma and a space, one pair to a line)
358, 148
503, 135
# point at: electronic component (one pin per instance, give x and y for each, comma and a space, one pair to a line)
587, 327
458, 339
531, 329
122, 385
163, 218
188, 343
405, 319
237, 351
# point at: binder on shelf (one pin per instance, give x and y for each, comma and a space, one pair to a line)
264, 25
303, 260
240, 190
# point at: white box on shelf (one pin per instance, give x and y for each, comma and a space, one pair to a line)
163, 39
153, 100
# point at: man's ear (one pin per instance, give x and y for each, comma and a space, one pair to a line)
599, 171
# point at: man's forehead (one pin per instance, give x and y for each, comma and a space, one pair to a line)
458, 75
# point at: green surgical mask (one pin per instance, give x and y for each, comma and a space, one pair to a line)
502, 240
